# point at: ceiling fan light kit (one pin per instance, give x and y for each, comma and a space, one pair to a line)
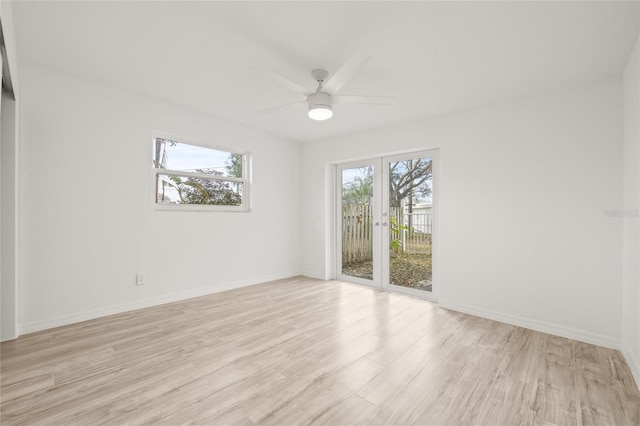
320, 106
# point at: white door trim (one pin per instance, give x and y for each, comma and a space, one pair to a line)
381, 234
376, 163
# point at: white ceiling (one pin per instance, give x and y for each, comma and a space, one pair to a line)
434, 57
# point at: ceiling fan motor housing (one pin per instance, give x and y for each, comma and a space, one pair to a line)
320, 99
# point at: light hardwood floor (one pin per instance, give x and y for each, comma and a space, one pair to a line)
302, 351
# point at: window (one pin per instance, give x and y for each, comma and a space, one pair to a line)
201, 177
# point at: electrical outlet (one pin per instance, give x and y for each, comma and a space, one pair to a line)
141, 279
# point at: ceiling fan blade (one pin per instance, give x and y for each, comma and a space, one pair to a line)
282, 80
369, 100
281, 107
345, 72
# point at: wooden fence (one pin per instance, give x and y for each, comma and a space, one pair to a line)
408, 231
357, 233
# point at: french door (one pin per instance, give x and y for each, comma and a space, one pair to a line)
385, 216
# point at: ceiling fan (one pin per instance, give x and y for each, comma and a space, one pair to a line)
321, 100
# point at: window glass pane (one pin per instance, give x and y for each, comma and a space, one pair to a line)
195, 190
178, 156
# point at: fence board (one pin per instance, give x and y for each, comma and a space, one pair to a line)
357, 231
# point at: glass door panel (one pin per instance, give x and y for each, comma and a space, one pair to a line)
410, 222
356, 221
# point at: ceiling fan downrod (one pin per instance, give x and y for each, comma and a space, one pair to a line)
320, 103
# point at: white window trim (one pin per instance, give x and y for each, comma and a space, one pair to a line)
246, 180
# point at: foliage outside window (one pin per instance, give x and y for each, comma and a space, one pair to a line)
196, 175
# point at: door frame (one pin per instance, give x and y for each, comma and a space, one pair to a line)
9, 216
381, 239
376, 282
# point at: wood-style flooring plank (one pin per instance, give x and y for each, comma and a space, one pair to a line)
301, 351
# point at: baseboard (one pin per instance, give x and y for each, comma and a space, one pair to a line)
314, 274
633, 363
34, 326
542, 326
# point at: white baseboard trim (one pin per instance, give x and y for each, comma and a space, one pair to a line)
314, 274
542, 326
632, 361
34, 326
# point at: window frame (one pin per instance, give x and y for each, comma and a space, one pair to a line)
245, 179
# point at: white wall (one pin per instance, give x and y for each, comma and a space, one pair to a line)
88, 223
631, 218
541, 253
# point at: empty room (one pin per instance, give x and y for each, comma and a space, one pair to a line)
329, 213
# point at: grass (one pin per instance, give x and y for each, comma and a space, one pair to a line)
411, 269
407, 269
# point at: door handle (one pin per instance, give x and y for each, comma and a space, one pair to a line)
377, 224
384, 223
